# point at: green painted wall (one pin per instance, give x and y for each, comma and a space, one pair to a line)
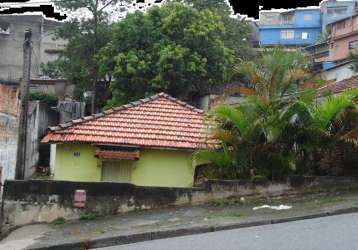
167, 168
83, 167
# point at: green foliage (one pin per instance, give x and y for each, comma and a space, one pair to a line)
89, 216
276, 73
281, 130
59, 221
47, 98
85, 37
173, 48
238, 30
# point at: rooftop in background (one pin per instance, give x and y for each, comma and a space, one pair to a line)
338, 87
157, 121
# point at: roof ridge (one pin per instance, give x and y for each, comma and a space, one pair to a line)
80, 120
184, 104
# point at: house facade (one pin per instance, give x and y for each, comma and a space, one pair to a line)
148, 143
344, 38
333, 10
337, 72
298, 27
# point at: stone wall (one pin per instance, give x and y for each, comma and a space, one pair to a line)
36, 201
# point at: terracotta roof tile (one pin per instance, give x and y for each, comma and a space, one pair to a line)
338, 87
156, 121
117, 155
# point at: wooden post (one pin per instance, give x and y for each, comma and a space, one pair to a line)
24, 94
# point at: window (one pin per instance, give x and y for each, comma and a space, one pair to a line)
5, 31
287, 34
288, 19
117, 171
339, 10
305, 35
307, 17
353, 45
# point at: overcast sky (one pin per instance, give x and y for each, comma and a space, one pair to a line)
116, 12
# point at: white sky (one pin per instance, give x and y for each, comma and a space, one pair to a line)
116, 12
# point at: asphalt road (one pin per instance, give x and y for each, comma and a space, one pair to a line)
327, 233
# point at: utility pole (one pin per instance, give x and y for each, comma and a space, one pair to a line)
24, 94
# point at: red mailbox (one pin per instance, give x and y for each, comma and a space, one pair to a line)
79, 200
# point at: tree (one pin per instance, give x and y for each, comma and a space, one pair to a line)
279, 129
258, 138
276, 73
173, 48
85, 36
238, 31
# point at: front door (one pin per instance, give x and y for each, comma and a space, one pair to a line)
116, 171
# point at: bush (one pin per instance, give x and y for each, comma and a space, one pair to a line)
59, 221
88, 216
49, 99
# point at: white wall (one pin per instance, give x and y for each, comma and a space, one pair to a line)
338, 73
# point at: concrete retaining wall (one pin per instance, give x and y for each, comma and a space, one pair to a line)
36, 201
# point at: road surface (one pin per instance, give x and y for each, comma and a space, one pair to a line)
327, 233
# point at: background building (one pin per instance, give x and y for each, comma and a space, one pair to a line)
298, 27
45, 47
333, 10
344, 38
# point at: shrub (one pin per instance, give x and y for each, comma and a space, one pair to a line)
59, 221
47, 98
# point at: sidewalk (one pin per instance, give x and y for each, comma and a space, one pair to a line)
140, 226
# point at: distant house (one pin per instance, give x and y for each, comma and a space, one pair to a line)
344, 38
337, 71
44, 47
149, 142
333, 10
297, 27
336, 87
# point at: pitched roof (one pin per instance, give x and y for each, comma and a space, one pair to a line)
338, 87
157, 121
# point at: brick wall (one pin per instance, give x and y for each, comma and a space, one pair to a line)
9, 103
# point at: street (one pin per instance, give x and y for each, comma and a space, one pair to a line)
328, 233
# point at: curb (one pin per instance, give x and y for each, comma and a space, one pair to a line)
156, 235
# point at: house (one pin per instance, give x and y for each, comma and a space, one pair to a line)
319, 54
337, 71
149, 143
45, 47
344, 38
333, 10
336, 87
296, 27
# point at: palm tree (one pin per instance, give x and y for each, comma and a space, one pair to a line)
276, 73
258, 138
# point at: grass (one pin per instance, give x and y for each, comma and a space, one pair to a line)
327, 200
226, 214
59, 221
88, 216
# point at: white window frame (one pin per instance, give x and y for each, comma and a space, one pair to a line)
305, 35
287, 34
